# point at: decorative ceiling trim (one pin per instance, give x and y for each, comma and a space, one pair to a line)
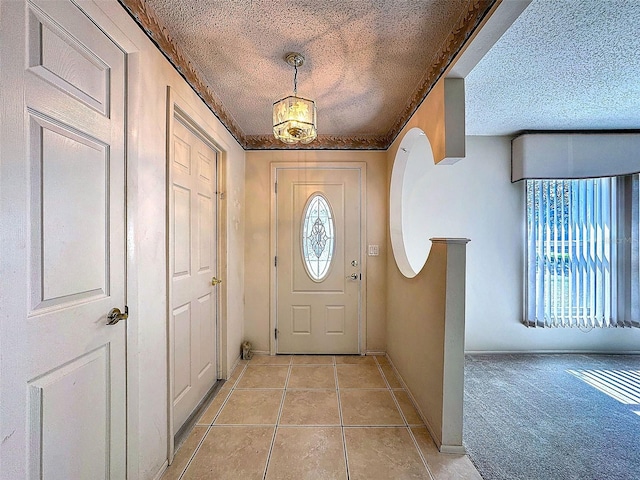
322, 142
146, 18
453, 44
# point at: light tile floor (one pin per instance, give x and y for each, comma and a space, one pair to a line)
313, 417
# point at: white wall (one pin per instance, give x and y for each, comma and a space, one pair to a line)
150, 75
486, 207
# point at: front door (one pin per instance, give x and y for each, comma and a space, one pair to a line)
318, 262
193, 265
63, 245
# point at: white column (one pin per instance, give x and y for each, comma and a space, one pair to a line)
453, 378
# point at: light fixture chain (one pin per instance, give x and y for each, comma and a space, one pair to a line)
295, 80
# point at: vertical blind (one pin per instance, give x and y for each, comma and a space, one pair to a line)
570, 268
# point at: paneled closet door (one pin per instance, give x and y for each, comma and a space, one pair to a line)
63, 222
192, 269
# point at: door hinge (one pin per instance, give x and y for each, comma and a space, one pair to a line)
276, 333
275, 261
275, 188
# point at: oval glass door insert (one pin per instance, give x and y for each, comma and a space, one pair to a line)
318, 237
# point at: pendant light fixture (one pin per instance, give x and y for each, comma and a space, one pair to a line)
294, 117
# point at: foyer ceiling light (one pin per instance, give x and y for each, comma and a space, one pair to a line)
294, 118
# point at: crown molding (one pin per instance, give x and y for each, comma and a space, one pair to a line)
453, 44
323, 142
148, 21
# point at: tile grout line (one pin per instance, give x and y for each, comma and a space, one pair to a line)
231, 390
259, 388
386, 382
393, 396
275, 430
344, 439
226, 398
371, 427
415, 442
422, 457
210, 426
343, 428
405, 389
320, 425
404, 419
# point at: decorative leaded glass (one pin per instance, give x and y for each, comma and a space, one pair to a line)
318, 238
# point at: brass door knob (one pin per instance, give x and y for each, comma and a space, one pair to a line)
115, 315
215, 281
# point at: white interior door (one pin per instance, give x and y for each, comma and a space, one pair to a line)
193, 265
318, 269
63, 222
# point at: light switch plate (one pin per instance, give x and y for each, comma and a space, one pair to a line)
374, 250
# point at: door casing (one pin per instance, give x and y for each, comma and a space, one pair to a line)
362, 167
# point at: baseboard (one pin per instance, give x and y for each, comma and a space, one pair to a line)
233, 367
552, 352
378, 353
431, 430
368, 352
163, 469
453, 449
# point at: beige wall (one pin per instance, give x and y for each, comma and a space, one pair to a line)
441, 118
418, 309
430, 118
149, 76
426, 342
258, 261
415, 332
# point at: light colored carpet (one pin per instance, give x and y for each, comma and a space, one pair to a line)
536, 417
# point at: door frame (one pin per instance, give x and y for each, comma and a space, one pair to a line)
362, 307
179, 107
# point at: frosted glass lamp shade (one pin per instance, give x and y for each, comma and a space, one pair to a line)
294, 120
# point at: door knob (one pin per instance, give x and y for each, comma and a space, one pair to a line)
215, 281
115, 315
354, 276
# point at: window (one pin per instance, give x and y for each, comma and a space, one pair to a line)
317, 237
572, 249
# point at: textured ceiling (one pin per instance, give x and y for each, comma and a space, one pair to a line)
563, 65
368, 63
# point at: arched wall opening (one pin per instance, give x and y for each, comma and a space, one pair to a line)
411, 176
